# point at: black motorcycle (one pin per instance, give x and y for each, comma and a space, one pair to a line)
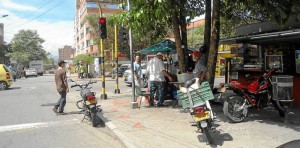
88, 103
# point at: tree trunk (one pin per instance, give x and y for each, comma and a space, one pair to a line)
184, 40
207, 30
213, 51
175, 25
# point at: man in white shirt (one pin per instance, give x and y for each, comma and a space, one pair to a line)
157, 74
137, 70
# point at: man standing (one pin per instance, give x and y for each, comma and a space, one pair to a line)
62, 88
200, 69
137, 70
157, 74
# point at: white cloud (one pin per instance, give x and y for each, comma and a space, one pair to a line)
55, 34
11, 5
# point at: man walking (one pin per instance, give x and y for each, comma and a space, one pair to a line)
157, 74
62, 88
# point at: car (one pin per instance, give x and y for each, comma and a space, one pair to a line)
127, 76
6, 77
30, 72
121, 70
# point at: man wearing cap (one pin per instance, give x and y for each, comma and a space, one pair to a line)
200, 69
157, 74
62, 88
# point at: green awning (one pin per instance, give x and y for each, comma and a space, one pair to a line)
166, 47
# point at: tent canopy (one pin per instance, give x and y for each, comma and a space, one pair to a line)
166, 46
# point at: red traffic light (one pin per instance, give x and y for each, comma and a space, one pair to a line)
102, 20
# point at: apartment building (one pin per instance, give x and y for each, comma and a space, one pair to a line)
65, 53
83, 39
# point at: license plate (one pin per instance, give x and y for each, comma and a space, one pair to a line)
204, 116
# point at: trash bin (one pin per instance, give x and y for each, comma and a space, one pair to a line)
283, 90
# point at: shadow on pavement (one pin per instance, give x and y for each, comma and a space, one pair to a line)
13, 88
218, 138
267, 115
48, 104
291, 144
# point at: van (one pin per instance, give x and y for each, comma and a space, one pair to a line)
6, 77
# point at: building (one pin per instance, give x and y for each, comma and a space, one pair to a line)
1, 33
83, 38
65, 53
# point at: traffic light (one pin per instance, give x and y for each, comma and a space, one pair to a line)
102, 28
122, 36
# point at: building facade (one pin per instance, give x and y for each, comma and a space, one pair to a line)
83, 38
65, 53
1, 33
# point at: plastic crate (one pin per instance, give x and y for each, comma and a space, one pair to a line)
282, 87
199, 95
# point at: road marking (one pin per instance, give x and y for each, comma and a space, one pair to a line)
8, 128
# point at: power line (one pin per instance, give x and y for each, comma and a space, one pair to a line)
47, 2
58, 4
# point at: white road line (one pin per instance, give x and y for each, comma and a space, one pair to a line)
8, 128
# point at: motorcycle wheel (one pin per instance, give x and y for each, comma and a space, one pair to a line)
77, 104
230, 106
207, 134
280, 111
94, 118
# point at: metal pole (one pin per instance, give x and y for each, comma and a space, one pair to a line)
117, 90
103, 95
133, 103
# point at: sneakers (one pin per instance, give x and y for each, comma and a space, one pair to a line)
54, 110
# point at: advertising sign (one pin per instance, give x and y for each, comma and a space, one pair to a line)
297, 52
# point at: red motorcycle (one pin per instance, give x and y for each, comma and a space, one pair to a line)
238, 98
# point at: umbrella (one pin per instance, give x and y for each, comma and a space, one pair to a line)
166, 46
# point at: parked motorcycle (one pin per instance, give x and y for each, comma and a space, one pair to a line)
200, 108
238, 98
88, 103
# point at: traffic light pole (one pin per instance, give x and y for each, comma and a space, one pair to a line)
134, 104
117, 90
103, 95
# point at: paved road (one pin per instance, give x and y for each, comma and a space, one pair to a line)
27, 119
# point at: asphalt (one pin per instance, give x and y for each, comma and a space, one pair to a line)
168, 127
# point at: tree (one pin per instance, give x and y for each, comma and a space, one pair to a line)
235, 13
195, 35
156, 17
214, 42
26, 46
85, 59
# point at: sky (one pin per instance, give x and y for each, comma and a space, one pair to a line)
53, 20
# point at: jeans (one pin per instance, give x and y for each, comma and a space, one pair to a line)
61, 101
159, 87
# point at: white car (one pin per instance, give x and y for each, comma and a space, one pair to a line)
30, 72
127, 76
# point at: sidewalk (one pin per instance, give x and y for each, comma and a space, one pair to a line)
173, 128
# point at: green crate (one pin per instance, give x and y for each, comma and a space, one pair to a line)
199, 95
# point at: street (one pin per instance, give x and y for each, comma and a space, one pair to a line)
27, 119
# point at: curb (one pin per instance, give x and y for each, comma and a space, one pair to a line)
120, 135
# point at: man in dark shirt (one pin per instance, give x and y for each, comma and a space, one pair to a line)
62, 88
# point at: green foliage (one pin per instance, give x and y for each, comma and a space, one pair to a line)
85, 59
27, 46
235, 13
195, 37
